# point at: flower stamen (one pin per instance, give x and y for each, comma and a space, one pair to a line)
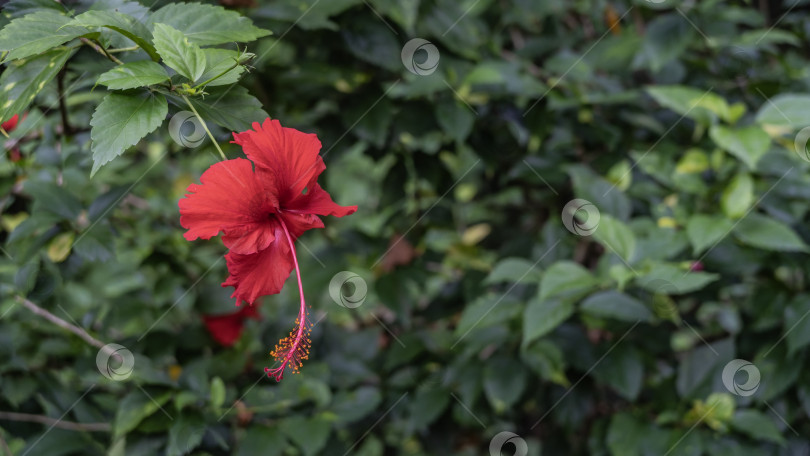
294, 349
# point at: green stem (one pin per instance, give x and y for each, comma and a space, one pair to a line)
100, 49
216, 144
202, 84
133, 48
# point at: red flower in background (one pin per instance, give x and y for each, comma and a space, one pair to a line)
261, 210
227, 328
11, 124
8, 126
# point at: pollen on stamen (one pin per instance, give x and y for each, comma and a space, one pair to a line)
291, 351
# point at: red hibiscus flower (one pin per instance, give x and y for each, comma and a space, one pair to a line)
226, 329
262, 205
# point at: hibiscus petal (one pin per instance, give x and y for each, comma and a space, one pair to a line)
262, 273
230, 198
254, 237
298, 223
291, 155
318, 201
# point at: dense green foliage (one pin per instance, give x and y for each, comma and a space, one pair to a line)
493, 304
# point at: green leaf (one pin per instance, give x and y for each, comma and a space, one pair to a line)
670, 279
262, 440
616, 236
231, 107
623, 371
504, 382
121, 120
22, 80
666, 38
543, 316
616, 305
20, 8
219, 60
757, 426
700, 105
547, 360
26, 276
427, 405
309, 434
702, 366
374, 43
353, 405
790, 110
567, 279
455, 118
185, 434
607, 197
766, 233
797, 324
513, 270
716, 411
49, 197
707, 230
485, 311
178, 53
36, 33
121, 23
625, 434
134, 408
217, 394
207, 24
738, 196
694, 161
135, 74
748, 144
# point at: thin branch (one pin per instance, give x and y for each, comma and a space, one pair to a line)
69, 425
202, 121
132, 48
61, 323
100, 49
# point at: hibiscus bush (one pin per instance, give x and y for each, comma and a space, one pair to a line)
304, 227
